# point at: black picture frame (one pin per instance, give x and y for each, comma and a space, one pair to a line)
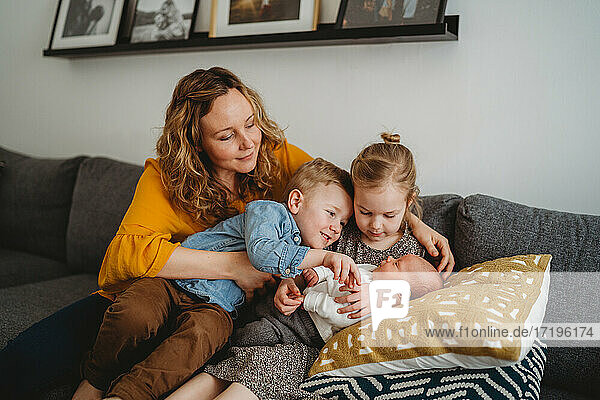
127, 21
425, 12
79, 24
187, 34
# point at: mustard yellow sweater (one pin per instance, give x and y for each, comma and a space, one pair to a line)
153, 227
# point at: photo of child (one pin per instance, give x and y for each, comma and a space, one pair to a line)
157, 20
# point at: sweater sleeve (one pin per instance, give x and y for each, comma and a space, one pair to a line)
151, 228
144, 240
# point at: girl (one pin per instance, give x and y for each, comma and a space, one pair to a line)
385, 198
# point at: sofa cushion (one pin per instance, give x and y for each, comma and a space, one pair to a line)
500, 294
35, 200
102, 194
519, 381
35, 301
552, 393
439, 212
17, 268
574, 369
487, 228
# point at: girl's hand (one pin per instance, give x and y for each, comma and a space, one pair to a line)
433, 241
357, 307
310, 277
250, 279
343, 267
288, 297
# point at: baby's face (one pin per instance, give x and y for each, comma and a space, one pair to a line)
421, 275
321, 215
389, 265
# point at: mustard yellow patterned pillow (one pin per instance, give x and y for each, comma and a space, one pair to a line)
459, 325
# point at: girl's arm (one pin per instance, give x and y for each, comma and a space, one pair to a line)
357, 308
433, 241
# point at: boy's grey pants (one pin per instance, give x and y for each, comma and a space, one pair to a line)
272, 327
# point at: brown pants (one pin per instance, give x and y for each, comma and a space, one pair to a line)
152, 339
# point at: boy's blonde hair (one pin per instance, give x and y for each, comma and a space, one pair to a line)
390, 162
315, 172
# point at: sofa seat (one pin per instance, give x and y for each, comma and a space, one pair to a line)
19, 267
32, 302
552, 393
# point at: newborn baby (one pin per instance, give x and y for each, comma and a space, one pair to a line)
322, 288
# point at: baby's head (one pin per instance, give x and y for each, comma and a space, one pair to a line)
384, 178
319, 196
420, 275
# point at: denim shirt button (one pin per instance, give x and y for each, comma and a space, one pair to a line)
287, 271
296, 238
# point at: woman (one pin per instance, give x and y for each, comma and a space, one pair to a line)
218, 151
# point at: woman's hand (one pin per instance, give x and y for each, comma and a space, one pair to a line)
250, 279
288, 296
435, 244
357, 307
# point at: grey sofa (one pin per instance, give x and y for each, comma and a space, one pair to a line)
58, 216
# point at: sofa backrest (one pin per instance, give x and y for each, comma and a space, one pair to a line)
439, 212
488, 228
35, 200
103, 191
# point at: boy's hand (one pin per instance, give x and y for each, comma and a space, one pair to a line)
343, 267
288, 297
310, 277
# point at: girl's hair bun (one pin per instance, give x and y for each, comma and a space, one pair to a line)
390, 138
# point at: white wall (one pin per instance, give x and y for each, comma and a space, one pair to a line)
511, 109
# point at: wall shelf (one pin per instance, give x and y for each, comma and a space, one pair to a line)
325, 35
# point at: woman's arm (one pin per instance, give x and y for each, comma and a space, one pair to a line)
433, 241
144, 245
187, 263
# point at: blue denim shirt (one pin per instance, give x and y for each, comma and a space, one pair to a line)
266, 231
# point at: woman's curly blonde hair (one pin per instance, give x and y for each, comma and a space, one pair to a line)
187, 172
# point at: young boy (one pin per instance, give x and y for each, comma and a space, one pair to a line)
279, 239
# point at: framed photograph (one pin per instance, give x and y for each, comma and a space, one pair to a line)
86, 23
370, 13
158, 20
255, 17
